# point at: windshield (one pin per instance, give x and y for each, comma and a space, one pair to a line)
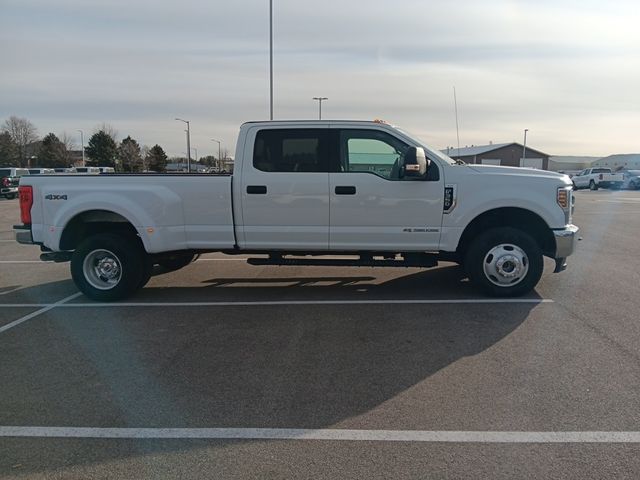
5, 172
429, 150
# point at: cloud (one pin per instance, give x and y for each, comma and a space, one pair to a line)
566, 70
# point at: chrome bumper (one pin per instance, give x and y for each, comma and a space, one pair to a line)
566, 241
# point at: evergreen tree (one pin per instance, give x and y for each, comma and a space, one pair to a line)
129, 155
53, 153
9, 151
101, 150
157, 159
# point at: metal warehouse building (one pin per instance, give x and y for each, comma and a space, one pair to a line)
505, 154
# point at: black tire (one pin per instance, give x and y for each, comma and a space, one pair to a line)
593, 186
123, 259
11, 196
526, 258
176, 261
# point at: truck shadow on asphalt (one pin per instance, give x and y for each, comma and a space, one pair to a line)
284, 366
449, 282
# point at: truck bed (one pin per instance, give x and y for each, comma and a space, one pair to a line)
169, 211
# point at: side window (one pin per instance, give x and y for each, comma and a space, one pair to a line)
371, 151
291, 150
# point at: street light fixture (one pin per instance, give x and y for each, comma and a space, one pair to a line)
188, 144
320, 99
82, 147
524, 148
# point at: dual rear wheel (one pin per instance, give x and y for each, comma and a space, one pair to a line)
107, 267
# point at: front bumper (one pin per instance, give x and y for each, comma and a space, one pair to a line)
566, 240
9, 191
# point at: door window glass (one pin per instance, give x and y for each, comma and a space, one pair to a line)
372, 152
294, 150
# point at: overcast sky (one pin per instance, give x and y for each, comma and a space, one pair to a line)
568, 70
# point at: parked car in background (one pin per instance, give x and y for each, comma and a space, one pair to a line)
65, 170
41, 171
9, 181
107, 170
88, 170
594, 178
631, 179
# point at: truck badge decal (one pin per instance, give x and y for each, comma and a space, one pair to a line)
450, 197
55, 197
420, 230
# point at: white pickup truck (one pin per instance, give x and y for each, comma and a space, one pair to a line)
594, 178
339, 193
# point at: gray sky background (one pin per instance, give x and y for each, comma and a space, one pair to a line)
567, 70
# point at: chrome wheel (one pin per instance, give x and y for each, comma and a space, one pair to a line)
102, 269
506, 265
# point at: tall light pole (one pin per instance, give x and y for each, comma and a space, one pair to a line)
320, 99
524, 148
82, 142
270, 59
188, 144
219, 155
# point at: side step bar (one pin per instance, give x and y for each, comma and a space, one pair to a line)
423, 260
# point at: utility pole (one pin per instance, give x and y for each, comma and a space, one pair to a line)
219, 155
188, 144
524, 148
270, 59
320, 99
84, 164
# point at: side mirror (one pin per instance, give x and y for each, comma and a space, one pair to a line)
415, 163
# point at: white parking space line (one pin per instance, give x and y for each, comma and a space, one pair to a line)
429, 436
17, 322
472, 301
12, 262
10, 291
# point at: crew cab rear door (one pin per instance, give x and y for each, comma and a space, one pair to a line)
372, 208
285, 188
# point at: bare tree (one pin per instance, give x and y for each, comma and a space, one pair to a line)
22, 132
144, 153
109, 130
67, 140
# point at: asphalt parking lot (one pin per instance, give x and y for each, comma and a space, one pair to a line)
225, 370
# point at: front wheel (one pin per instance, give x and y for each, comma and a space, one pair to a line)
504, 262
107, 267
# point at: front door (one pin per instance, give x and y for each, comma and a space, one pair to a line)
285, 189
372, 208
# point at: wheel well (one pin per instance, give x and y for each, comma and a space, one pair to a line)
520, 218
92, 222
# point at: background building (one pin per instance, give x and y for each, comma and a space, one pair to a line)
629, 161
504, 154
570, 163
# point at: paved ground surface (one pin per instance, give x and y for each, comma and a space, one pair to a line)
567, 361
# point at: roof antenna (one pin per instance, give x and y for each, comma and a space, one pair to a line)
455, 102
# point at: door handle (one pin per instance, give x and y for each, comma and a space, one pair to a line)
345, 190
256, 189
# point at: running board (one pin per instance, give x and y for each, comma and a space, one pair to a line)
422, 260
